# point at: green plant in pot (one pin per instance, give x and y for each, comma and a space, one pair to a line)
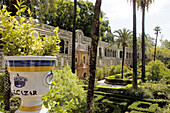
30, 59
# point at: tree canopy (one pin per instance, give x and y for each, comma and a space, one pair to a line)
60, 13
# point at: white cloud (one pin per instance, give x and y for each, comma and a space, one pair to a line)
156, 7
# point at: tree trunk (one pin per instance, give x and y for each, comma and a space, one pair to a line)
7, 90
123, 58
143, 42
12, 7
94, 44
155, 45
73, 38
134, 47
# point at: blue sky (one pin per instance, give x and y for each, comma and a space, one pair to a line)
120, 16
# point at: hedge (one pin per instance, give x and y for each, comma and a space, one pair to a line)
108, 108
118, 81
126, 75
133, 111
161, 102
112, 89
113, 95
152, 107
98, 98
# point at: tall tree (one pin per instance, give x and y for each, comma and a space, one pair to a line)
143, 4
94, 44
134, 46
123, 38
157, 29
73, 38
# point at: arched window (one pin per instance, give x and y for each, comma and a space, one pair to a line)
79, 38
130, 55
111, 53
89, 50
105, 52
115, 53
108, 53
121, 54
100, 52
84, 75
66, 48
61, 46
84, 59
127, 55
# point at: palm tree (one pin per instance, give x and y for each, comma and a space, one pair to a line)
134, 46
123, 38
143, 4
157, 29
73, 38
94, 44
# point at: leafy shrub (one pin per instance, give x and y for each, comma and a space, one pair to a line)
65, 94
156, 71
111, 70
2, 107
118, 81
105, 71
118, 69
138, 93
99, 74
157, 90
166, 109
18, 35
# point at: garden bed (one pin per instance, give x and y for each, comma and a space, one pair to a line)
143, 107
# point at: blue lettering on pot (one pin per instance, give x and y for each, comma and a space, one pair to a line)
20, 81
25, 93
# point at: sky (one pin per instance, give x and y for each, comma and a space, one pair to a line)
120, 15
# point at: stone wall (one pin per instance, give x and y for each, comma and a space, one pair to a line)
107, 54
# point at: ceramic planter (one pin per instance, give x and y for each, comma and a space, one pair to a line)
31, 77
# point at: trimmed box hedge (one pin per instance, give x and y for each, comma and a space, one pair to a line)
98, 98
160, 102
122, 105
133, 111
118, 81
113, 95
135, 106
107, 108
112, 89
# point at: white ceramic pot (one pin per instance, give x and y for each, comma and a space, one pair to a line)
31, 77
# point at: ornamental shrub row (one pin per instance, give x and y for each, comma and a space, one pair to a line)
118, 81
143, 107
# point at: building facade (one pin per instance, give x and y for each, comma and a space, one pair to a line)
107, 54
